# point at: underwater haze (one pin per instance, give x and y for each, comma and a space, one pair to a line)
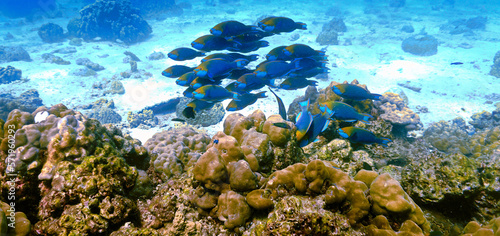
233, 117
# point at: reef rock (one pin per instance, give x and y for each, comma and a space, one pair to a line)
51, 33
110, 20
420, 45
9, 74
495, 68
13, 53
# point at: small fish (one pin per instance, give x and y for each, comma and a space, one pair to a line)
218, 67
216, 141
213, 93
281, 24
251, 82
183, 54
251, 36
178, 120
303, 120
244, 101
301, 51
230, 56
200, 81
354, 92
176, 71
319, 124
185, 79
247, 47
231, 28
293, 83
283, 125
196, 106
281, 105
456, 63
274, 69
278, 54
345, 112
210, 43
359, 135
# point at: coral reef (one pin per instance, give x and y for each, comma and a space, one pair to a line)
9, 74
495, 68
110, 20
205, 118
102, 110
28, 101
13, 53
143, 117
329, 32
51, 33
89, 64
175, 151
474, 228
485, 119
13, 223
396, 111
420, 45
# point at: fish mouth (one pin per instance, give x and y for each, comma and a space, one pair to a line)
215, 32
343, 134
172, 56
196, 45
198, 95
200, 73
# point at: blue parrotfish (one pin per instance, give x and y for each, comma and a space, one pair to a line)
238, 72
202, 81
303, 120
251, 36
301, 51
185, 79
278, 54
281, 24
213, 93
196, 106
183, 54
274, 69
251, 82
346, 112
292, 83
308, 73
281, 105
188, 92
231, 28
354, 92
247, 47
359, 135
308, 63
176, 70
231, 56
210, 43
318, 125
244, 101
233, 87
218, 67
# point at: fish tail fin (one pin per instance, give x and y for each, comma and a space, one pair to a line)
201, 54
236, 96
301, 26
384, 141
262, 94
240, 63
321, 52
253, 57
376, 96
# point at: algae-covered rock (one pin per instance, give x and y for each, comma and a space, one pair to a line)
233, 209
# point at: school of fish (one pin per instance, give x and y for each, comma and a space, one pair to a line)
294, 64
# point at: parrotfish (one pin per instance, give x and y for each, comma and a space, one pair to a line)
318, 125
292, 83
247, 47
354, 92
251, 36
182, 54
201, 81
185, 79
196, 106
281, 105
278, 54
274, 69
251, 82
281, 24
345, 112
359, 135
231, 56
233, 87
210, 43
308, 73
213, 93
238, 72
244, 101
231, 28
188, 92
303, 120
301, 51
308, 63
218, 67
176, 70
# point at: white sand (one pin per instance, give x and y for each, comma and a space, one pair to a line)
375, 58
